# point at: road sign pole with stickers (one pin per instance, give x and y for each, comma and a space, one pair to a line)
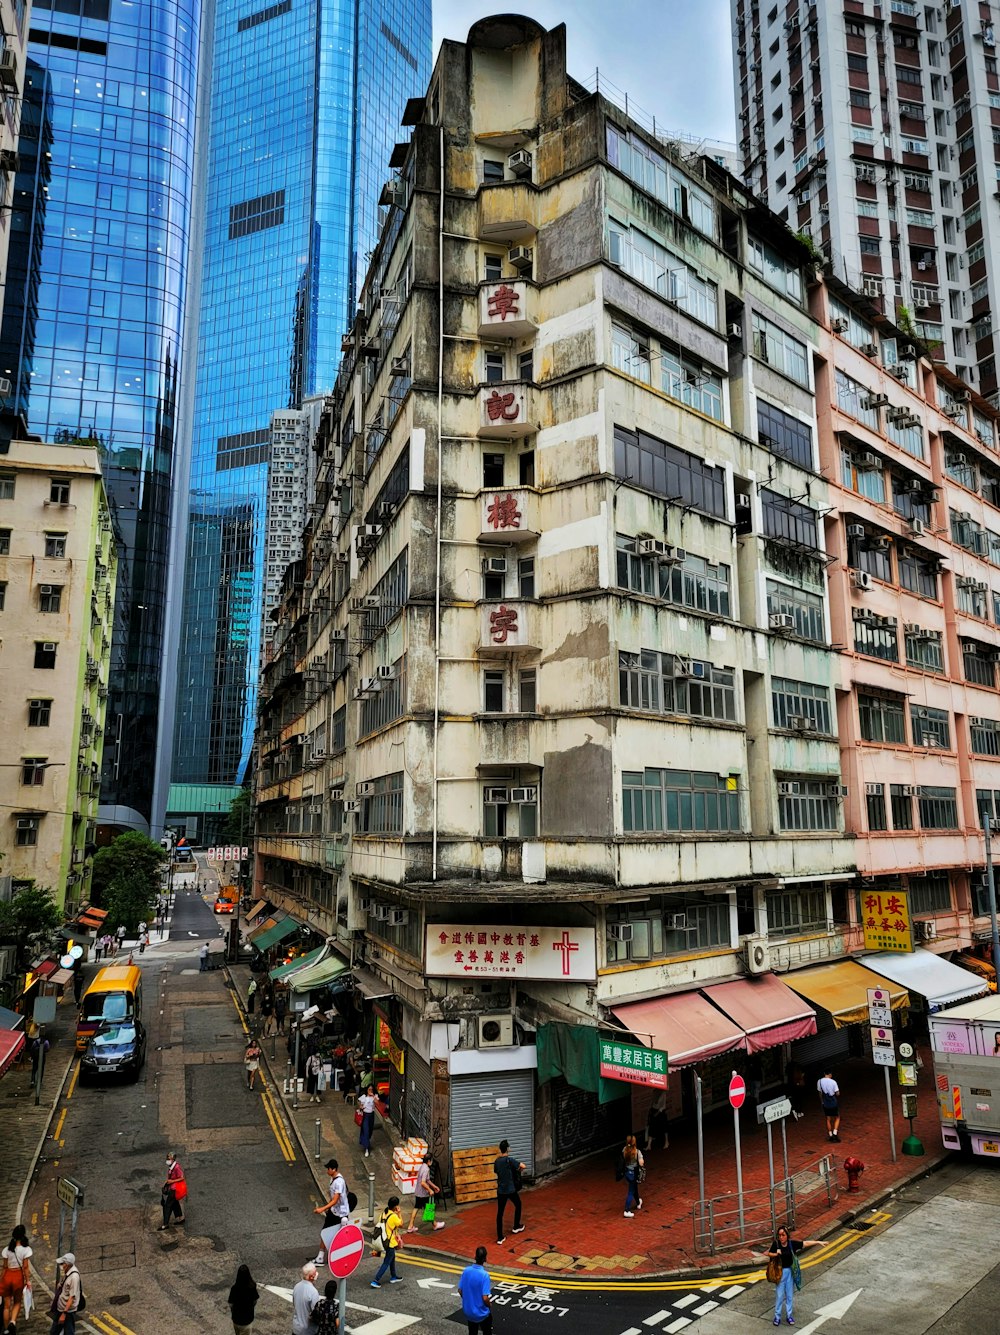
883, 1048
70, 1195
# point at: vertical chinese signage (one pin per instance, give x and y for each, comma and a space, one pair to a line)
885, 919
633, 1063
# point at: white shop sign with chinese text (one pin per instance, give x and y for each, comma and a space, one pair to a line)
461, 951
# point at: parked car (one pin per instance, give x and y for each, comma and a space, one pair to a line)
117, 1048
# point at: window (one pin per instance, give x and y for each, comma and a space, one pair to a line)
938, 808
630, 352
646, 936
661, 271
774, 268
386, 704
789, 519
496, 368
917, 572
493, 691
493, 268
668, 684
923, 650
930, 727
509, 819
527, 691
783, 434
901, 803
7, 481
790, 912
4, 542
257, 214
59, 490
494, 584
654, 173
800, 699
693, 582
45, 654
526, 577
852, 398
493, 470
806, 609
873, 553
807, 805
877, 637
685, 379
338, 730
979, 664
3, 594
929, 894
55, 545
26, 830
984, 734
863, 473
49, 597
39, 713
881, 719
392, 590
680, 801
875, 810
526, 468
526, 366
33, 770
382, 812
683, 478
492, 170
772, 345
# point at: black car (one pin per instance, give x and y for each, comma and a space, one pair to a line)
118, 1048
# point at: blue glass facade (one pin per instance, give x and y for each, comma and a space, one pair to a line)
306, 102
90, 341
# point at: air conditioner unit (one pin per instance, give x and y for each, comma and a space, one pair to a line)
954, 410
757, 955
801, 723
932, 742
677, 922
369, 532
337, 793
881, 544
4, 386
496, 797
621, 931
910, 789
868, 462
519, 796
735, 331
49, 647
495, 1031
870, 349
856, 531
840, 325
316, 809
860, 579
364, 789
520, 163
385, 672
786, 788
917, 527
836, 790
45, 589
387, 509
25, 823
520, 257
400, 366
926, 929
690, 667
872, 401
908, 353
398, 917
742, 500
874, 789
319, 753
650, 547
495, 565
781, 621
365, 904
352, 808
381, 912
8, 67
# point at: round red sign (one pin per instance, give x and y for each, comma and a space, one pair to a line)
737, 1091
347, 1247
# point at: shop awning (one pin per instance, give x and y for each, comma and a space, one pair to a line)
370, 985
92, 918
842, 989
685, 1025
11, 1044
10, 1019
270, 936
765, 1009
61, 977
293, 966
263, 927
259, 907
43, 969
937, 980
318, 975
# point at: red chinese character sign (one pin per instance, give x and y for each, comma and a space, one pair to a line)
503, 624
503, 301
502, 512
503, 407
885, 920
463, 951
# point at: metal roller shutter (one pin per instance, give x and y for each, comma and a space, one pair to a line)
827, 1044
582, 1125
495, 1106
419, 1090
397, 1093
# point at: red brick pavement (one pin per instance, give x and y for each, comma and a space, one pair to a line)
574, 1222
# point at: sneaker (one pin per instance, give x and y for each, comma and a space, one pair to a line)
519, 1229
629, 1214
377, 1285
320, 1260
501, 1241
639, 1206
439, 1226
777, 1320
396, 1279
791, 1321
413, 1230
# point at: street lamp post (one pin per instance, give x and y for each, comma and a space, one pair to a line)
988, 826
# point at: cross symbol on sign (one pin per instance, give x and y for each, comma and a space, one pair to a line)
567, 947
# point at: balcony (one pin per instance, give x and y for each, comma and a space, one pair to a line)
505, 411
507, 310
507, 212
509, 627
508, 516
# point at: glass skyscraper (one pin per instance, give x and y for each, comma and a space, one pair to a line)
306, 102
91, 331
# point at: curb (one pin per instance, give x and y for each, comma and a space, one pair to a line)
43, 1138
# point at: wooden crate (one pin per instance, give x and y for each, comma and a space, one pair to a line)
473, 1173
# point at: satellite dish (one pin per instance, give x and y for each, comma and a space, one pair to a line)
66, 962
76, 952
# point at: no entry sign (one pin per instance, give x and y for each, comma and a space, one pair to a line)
344, 1249
737, 1091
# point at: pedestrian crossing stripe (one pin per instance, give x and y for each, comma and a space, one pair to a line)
682, 1311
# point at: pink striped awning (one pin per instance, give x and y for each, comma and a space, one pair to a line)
11, 1044
765, 1009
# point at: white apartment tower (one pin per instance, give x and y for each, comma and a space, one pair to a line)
874, 128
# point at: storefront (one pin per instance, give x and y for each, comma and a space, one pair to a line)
936, 981
494, 1101
839, 992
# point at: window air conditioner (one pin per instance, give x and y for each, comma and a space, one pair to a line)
398, 917
870, 349
519, 796
45, 589
860, 579
496, 797
400, 366
735, 331
495, 565
385, 673
874, 789
917, 527
840, 325
316, 809
8, 67
788, 789
868, 462
781, 621
757, 955
621, 931
352, 808
49, 647
677, 922
836, 790
364, 789
319, 753
925, 929
801, 723
495, 1031
25, 823
910, 789
872, 401
520, 257
520, 163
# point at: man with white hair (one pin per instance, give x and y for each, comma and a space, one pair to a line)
305, 1296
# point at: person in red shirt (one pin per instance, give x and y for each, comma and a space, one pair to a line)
174, 1191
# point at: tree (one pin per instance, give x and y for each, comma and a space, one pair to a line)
129, 900
132, 857
28, 919
239, 821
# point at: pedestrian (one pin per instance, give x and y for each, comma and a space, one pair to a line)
477, 1295
366, 1107
242, 1301
143, 942
15, 1277
314, 1064
203, 957
336, 1209
108, 945
424, 1192
39, 1045
326, 1312
795, 1088
657, 1124
173, 1191
390, 1223
266, 1009
280, 1007
829, 1097
142, 928
251, 1060
121, 936
77, 984
68, 1295
631, 1167
508, 1174
786, 1248
98, 947
251, 996
305, 1296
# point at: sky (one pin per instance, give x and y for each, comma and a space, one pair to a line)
674, 59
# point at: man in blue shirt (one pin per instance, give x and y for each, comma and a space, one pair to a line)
477, 1295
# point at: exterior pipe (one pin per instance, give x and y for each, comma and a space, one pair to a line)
440, 475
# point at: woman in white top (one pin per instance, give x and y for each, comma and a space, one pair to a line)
15, 1275
366, 1106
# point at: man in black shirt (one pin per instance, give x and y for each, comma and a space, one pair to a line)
508, 1172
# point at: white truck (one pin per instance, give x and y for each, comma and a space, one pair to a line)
966, 1044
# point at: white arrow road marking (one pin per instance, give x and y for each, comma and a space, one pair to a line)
435, 1284
835, 1310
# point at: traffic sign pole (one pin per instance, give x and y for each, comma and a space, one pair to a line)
737, 1093
892, 1118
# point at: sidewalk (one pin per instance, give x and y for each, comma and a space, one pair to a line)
574, 1220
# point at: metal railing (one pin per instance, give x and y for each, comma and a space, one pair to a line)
724, 1223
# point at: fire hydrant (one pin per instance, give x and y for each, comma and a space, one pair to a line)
853, 1167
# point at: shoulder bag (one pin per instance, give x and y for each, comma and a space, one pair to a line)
774, 1270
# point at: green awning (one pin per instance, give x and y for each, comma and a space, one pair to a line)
318, 975
303, 962
262, 927
274, 934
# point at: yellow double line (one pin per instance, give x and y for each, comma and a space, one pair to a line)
267, 1098
107, 1324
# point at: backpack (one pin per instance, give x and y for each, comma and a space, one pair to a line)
380, 1238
